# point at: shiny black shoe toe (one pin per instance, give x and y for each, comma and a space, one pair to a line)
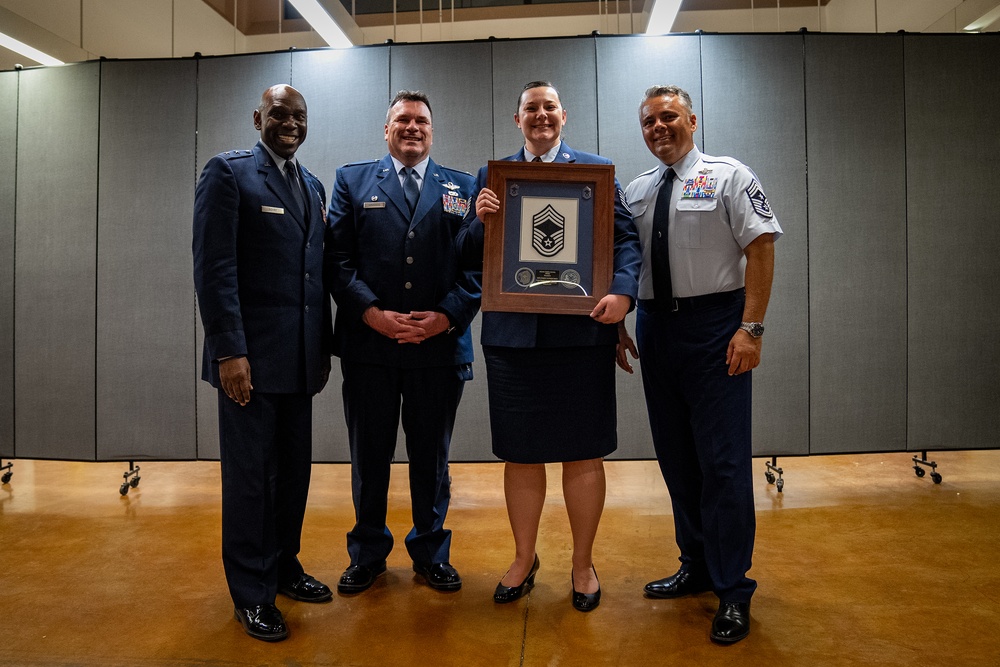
359, 578
731, 622
585, 601
439, 576
504, 594
307, 589
262, 622
677, 585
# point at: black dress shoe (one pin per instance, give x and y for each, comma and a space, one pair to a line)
678, 585
504, 594
439, 576
306, 589
262, 622
359, 578
585, 601
731, 622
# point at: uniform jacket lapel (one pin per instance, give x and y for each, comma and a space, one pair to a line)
388, 182
565, 154
276, 183
430, 192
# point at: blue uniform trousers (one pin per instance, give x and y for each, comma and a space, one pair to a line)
700, 422
265, 449
374, 399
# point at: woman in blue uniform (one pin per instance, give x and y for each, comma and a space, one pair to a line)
551, 378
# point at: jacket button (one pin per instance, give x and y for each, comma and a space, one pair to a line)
409, 260
307, 309
408, 285
410, 235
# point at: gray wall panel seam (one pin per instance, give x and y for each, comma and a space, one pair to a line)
906, 254
97, 248
13, 282
805, 152
194, 329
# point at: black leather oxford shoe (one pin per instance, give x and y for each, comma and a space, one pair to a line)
731, 622
307, 589
359, 578
439, 576
504, 594
678, 585
262, 622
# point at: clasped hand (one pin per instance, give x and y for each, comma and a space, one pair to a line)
412, 327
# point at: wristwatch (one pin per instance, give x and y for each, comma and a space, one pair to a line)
755, 329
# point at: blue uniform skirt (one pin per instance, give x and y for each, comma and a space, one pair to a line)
552, 404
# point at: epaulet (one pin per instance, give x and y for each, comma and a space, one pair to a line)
232, 155
648, 171
454, 171
357, 164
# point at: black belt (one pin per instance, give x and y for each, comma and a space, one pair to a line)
690, 302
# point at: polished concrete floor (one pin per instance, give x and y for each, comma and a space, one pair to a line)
859, 562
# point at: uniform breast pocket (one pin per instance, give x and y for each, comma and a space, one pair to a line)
691, 218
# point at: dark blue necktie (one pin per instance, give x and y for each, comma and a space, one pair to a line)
659, 255
292, 178
410, 189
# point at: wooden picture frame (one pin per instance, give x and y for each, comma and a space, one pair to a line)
551, 247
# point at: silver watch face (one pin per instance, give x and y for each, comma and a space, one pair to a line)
755, 329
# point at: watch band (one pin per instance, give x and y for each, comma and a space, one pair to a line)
755, 329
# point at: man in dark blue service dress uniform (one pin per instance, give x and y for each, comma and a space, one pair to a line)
707, 234
404, 306
258, 262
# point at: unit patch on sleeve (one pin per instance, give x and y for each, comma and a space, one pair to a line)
759, 200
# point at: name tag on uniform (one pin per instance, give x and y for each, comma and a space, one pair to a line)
374, 204
272, 209
702, 187
454, 204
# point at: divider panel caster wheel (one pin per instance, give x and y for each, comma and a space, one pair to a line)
6, 477
936, 476
769, 476
920, 471
123, 489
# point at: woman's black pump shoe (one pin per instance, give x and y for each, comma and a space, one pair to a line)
504, 594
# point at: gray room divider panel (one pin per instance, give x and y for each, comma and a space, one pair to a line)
571, 64
229, 89
754, 110
857, 243
8, 138
145, 297
55, 262
626, 67
952, 149
347, 92
457, 78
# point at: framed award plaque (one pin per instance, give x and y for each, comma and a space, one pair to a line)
550, 247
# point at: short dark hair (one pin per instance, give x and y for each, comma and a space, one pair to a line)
534, 84
669, 91
408, 96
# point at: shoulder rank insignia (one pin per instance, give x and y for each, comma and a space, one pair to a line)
759, 200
